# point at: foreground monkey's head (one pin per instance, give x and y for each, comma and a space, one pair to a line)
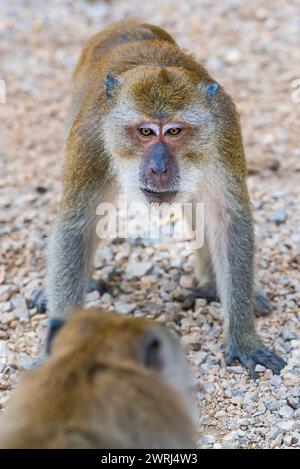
161, 125
106, 337
109, 382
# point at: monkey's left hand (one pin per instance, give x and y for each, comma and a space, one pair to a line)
253, 353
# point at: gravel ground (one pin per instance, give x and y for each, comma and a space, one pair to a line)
252, 48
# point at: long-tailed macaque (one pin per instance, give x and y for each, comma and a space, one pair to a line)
147, 120
109, 382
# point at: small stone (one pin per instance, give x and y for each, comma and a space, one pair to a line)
5, 307
238, 370
237, 392
254, 396
231, 436
276, 443
286, 412
237, 400
186, 281
92, 296
217, 446
232, 55
208, 440
276, 381
199, 357
294, 402
208, 387
137, 269
7, 318
24, 360
279, 216
214, 63
286, 425
200, 303
20, 307
287, 440
287, 335
273, 433
272, 405
6, 291
260, 368
106, 298
124, 308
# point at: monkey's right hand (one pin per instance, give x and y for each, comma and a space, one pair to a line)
252, 352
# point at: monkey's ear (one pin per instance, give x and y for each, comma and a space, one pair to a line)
156, 351
210, 88
112, 84
55, 324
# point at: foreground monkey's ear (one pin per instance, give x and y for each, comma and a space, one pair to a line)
55, 324
210, 88
112, 83
156, 351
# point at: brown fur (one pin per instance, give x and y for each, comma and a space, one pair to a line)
94, 391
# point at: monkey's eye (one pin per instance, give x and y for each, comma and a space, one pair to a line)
174, 131
146, 132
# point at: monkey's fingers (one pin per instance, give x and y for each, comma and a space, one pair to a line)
269, 359
245, 359
207, 291
262, 356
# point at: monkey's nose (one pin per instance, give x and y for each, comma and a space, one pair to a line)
158, 157
159, 170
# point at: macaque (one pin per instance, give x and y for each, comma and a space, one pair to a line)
109, 382
148, 121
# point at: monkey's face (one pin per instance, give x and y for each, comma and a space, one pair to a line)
159, 143
156, 132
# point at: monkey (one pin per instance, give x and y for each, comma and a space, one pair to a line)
108, 382
148, 121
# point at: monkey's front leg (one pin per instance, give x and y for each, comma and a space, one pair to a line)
70, 254
232, 247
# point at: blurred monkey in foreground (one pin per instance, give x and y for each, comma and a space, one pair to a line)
109, 382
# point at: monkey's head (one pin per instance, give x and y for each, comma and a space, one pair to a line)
102, 339
158, 130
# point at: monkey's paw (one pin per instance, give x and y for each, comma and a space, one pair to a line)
255, 355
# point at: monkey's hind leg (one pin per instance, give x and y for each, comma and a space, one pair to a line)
207, 288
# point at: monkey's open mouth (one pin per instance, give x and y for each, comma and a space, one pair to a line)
159, 196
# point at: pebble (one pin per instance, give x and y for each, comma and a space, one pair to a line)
137, 269
237, 400
208, 440
124, 308
199, 357
272, 405
286, 425
279, 216
238, 370
286, 412
6, 291
186, 281
208, 387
